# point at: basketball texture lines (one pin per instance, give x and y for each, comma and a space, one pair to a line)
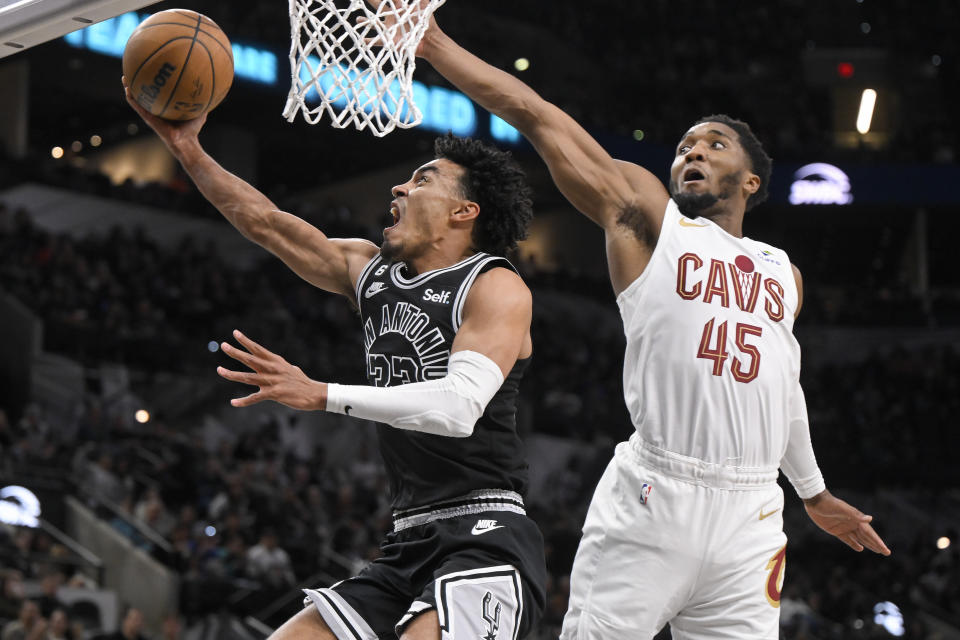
178, 64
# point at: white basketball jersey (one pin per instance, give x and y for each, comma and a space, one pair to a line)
711, 358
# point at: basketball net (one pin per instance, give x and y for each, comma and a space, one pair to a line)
355, 63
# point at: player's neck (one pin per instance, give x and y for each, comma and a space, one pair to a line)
729, 221
438, 257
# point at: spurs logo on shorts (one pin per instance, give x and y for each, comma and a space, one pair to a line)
775, 566
491, 616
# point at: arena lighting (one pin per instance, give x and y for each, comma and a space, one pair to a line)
845, 70
56, 152
76, 146
95, 140
19, 507
638, 134
943, 542
888, 616
867, 102
142, 416
213, 346
820, 183
521, 64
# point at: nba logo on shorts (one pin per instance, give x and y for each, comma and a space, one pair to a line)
645, 492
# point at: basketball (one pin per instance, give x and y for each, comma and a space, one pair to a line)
178, 64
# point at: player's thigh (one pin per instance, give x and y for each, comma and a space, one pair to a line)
738, 593
634, 565
425, 626
305, 625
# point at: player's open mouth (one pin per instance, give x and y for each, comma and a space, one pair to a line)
395, 215
693, 175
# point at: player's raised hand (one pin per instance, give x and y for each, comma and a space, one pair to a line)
277, 379
846, 522
171, 132
388, 10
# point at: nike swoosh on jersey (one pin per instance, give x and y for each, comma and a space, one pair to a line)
684, 223
374, 289
475, 531
764, 516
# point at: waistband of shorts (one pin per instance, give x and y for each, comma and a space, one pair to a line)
472, 503
700, 472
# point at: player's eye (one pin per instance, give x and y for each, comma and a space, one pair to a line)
683, 149
718, 145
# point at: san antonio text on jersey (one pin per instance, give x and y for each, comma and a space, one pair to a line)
408, 328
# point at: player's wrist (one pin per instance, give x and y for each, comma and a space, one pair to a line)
813, 501
319, 396
432, 43
186, 148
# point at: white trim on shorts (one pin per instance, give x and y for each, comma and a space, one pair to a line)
342, 619
700, 472
480, 501
418, 607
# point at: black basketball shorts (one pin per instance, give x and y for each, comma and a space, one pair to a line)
478, 560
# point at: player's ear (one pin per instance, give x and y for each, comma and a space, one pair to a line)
468, 210
751, 183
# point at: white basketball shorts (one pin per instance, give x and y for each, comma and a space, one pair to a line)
670, 539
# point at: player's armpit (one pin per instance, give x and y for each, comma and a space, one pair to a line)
599, 186
496, 319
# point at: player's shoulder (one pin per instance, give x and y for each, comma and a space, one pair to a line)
501, 283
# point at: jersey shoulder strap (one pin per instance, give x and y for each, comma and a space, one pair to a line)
483, 265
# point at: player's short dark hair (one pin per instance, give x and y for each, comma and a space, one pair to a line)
494, 180
760, 162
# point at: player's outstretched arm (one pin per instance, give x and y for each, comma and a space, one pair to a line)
494, 333
626, 200
331, 264
830, 513
846, 522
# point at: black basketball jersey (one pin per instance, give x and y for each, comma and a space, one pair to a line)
408, 327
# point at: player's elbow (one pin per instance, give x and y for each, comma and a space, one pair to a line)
251, 223
455, 422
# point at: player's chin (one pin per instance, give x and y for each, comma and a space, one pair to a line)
392, 248
694, 186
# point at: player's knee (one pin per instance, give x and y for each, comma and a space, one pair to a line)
425, 626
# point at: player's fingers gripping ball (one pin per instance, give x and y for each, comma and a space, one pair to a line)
178, 64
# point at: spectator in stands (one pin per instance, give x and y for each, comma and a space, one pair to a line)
29, 625
172, 628
50, 581
269, 563
103, 483
131, 628
59, 626
11, 587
